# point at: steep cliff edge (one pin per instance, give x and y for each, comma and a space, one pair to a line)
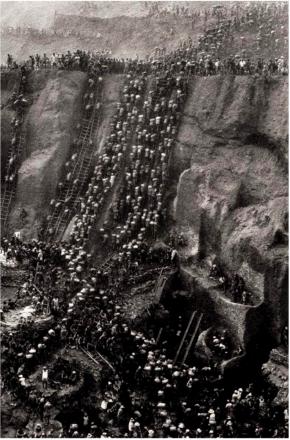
232, 194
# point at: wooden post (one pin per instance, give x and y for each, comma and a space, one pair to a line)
184, 336
159, 335
192, 338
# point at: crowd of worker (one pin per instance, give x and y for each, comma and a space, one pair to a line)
188, 59
239, 11
240, 15
213, 54
137, 212
261, 22
82, 151
83, 300
40, 34
234, 286
146, 395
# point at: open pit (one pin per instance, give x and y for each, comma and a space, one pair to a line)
144, 213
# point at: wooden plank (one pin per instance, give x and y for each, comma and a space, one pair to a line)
159, 335
194, 334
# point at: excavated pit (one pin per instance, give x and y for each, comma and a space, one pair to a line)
228, 196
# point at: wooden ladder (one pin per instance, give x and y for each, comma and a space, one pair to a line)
189, 337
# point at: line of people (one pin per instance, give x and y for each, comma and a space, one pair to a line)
192, 60
18, 104
139, 202
82, 150
111, 162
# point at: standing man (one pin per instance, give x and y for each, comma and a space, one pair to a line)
44, 378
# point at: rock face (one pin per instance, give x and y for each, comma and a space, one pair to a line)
232, 193
50, 126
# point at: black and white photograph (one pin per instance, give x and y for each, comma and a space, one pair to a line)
144, 219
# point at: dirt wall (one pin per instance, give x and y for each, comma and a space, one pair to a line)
50, 127
9, 84
232, 194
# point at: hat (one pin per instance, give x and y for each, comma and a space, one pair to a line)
161, 405
147, 367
